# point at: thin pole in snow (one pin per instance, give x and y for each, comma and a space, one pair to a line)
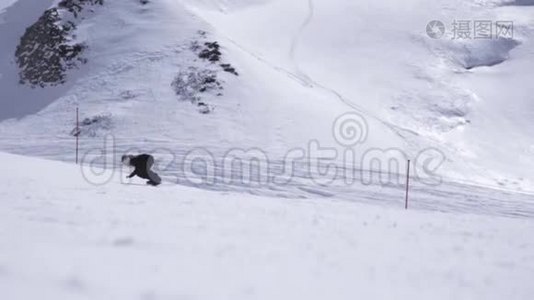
407, 185
77, 133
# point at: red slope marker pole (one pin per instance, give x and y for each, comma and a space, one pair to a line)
77, 133
407, 185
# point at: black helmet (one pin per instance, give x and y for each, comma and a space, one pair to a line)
125, 159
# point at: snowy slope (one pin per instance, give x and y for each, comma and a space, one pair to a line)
301, 65
376, 55
6, 3
64, 238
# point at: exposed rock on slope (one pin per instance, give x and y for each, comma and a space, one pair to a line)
47, 48
197, 80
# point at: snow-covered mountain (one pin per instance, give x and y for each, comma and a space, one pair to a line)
298, 66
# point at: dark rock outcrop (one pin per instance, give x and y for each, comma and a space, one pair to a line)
46, 50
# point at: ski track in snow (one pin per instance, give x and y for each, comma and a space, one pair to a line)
305, 183
406, 134
305, 80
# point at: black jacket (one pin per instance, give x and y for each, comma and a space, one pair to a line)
142, 164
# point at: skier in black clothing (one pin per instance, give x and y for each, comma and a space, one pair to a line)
142, 164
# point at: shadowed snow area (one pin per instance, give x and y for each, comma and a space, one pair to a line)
16, 100
484, 53
519, 2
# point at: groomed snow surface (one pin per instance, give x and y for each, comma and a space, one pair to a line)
63, 238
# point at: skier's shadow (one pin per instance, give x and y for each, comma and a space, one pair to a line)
138, 184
